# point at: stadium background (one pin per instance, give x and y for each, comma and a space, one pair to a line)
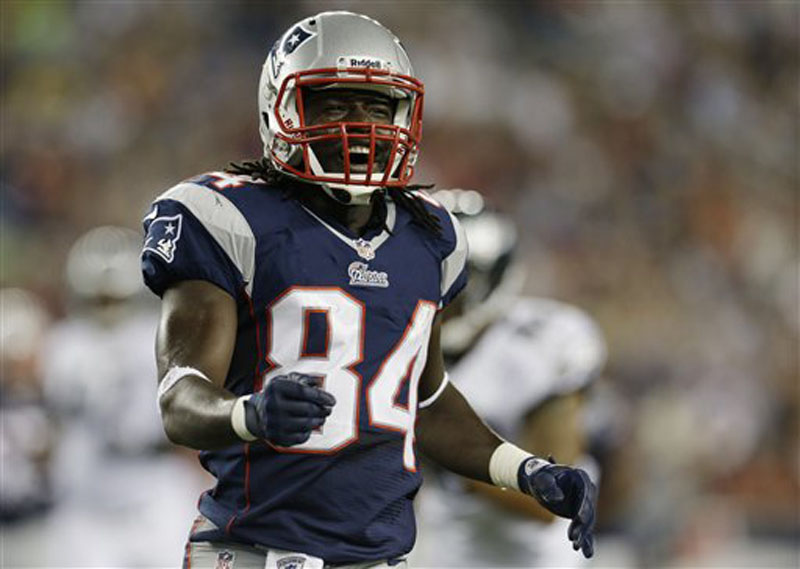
648, 152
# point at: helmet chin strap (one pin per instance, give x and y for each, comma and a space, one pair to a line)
362, 196
338, 194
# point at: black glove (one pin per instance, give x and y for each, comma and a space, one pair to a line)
288, 409
567, 492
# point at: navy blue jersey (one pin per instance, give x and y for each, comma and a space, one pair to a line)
312, 298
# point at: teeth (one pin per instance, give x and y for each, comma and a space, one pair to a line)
359, 150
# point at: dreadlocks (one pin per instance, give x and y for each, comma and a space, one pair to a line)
405, 198
262, 169
259, 169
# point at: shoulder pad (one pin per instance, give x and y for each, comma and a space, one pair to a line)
221, 219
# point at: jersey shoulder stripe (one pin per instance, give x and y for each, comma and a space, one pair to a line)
452, 248
454, 263
223, 221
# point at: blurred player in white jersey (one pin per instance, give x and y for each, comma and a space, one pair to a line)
541, 355
26, 436
120, 492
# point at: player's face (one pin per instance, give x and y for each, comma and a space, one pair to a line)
351, 106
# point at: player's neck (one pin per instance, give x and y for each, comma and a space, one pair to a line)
355, 217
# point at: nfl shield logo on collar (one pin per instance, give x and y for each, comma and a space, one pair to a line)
364, 249
224, 560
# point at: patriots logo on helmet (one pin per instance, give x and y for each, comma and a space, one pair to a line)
163, 235
294, 39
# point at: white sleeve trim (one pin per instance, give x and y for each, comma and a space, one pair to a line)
439, 390
454, 263
223, 220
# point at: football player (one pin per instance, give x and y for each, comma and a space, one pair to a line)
299, 342
27, 437
542, 355
112, 468
28, 433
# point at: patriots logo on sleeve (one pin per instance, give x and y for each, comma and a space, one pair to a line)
163, 235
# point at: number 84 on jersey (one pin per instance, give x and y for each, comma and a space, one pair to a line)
344, 349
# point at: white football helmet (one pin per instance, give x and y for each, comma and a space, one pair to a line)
104, 263
340, 50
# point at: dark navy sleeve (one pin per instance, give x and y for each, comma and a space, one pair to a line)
452, 248
187, 241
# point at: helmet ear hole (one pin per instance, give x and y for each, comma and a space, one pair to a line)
265, 116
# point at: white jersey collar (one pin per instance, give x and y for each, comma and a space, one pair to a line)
364, 247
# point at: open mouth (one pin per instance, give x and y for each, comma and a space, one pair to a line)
332, 156
359, 159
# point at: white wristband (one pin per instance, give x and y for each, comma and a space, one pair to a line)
238, 421
174, 375
504, 465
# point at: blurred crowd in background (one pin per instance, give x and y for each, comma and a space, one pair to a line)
647, 151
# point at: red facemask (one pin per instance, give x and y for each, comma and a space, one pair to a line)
392, 148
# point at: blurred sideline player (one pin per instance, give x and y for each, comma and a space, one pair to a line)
117, 485
540, 355
27, 434
299, 339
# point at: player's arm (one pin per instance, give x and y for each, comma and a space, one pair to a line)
451, 433
198, 256
552, 428
197, 331
194, 347
448, 430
